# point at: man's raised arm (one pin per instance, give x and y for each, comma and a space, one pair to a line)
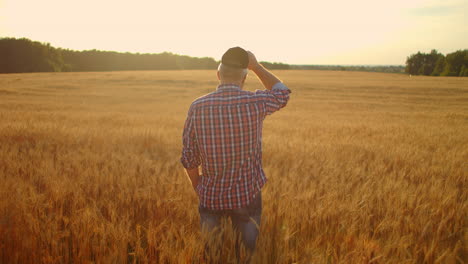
277, 94
267, 78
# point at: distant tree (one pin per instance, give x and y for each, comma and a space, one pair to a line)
435, 64
422, 63
414, 63
464, 71
430, 61
455, 62
24, 55
439, 67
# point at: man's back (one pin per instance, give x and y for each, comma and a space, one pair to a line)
224, 129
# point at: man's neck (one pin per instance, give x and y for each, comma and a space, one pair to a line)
232, 83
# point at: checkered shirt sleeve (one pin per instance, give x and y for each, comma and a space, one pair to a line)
274, 99
190, 152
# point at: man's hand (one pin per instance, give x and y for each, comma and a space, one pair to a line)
267, 78
253, 63
194, 177
195, 184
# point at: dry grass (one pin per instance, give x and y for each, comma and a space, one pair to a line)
362, 168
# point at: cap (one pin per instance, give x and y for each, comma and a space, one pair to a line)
236, 57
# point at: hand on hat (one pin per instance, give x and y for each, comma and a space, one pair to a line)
253, 63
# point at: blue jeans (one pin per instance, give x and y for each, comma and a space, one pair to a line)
245, 220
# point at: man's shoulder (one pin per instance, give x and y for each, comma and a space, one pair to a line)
203, 99
216, 97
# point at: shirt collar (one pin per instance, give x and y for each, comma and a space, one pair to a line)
228, 86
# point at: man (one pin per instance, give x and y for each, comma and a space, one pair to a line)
223, 135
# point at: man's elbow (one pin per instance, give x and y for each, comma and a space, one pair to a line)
190, 162
282, 100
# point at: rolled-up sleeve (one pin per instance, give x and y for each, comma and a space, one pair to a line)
274, 99
190, 152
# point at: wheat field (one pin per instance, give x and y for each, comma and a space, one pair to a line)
361, 167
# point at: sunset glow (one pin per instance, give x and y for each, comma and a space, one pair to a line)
296, 31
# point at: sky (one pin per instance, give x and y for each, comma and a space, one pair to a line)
359, 32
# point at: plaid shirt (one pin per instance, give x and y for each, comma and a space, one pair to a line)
223, 134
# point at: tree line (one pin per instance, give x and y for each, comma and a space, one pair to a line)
436, 64
364, 68
24, 55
